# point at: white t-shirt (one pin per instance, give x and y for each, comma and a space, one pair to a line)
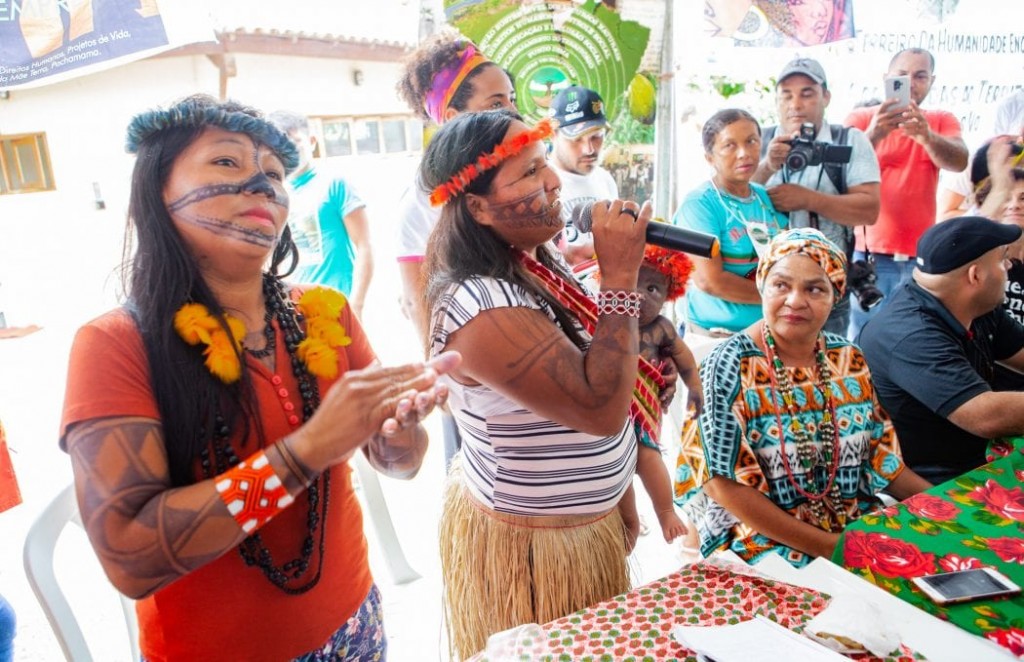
580, 190
1010, 115
416, 219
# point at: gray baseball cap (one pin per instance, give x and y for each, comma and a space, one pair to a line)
806, 67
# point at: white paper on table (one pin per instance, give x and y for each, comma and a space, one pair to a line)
855, 619
736, 643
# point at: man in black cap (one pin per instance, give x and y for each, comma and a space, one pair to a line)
582, 127
932, 349
832, 197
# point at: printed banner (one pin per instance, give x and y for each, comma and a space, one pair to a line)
47, 41
548, 46
978, 59
779, 23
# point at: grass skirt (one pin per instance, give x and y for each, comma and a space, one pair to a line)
501, 571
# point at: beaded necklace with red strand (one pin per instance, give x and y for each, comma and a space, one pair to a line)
810, 458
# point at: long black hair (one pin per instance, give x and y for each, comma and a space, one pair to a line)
159, 276
460, 248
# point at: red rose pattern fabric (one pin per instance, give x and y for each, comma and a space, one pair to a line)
973, 521
931, 507
886, 556
1011, 638
1007, 503
954, 563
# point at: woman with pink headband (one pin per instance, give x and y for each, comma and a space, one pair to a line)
444, 77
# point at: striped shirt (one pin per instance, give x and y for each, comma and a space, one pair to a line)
515, 461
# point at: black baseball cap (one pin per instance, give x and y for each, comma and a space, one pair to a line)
578, 109
951, 244
804, 66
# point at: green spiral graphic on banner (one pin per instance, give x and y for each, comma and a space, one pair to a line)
593, 47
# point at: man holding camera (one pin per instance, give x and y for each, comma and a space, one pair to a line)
912, 146
825, 176
933, 349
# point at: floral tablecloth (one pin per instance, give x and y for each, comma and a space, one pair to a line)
637, 626
972, 521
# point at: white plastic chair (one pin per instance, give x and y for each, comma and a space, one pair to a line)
40, 544
383, 526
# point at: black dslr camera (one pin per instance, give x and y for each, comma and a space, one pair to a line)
861, 278
805, 151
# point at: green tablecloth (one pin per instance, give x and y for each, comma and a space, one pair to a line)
975, 520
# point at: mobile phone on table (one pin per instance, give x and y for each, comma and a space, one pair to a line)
898, 87
965, 585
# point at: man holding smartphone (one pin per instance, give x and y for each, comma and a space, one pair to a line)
912, 145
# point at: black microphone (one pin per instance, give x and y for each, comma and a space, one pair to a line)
658, 233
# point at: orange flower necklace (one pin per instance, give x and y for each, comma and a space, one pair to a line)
321, 308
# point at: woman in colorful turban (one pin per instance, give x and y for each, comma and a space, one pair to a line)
737, 476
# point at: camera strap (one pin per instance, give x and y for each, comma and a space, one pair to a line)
867, 252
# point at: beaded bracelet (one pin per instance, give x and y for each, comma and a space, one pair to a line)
252, 492
619, 302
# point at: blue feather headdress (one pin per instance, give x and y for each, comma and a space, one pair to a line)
203, 110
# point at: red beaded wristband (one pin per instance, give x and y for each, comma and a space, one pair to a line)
252, 492
619, 302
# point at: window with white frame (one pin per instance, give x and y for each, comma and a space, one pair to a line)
25, 164
348, 136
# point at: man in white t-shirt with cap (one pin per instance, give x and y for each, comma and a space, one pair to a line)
582, 127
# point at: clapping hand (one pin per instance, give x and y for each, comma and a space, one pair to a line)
375, 403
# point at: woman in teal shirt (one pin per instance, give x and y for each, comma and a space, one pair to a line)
738, 212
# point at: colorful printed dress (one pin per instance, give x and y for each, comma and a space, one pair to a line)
737, 437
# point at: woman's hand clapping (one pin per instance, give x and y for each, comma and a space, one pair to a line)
374, 402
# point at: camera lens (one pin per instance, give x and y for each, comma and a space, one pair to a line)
796, 160
869, 297
861, 278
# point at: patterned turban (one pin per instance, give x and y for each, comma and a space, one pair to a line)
813, 244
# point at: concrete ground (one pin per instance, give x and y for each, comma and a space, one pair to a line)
412, 610
31, 395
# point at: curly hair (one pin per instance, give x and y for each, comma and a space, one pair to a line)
433, 55
675, 266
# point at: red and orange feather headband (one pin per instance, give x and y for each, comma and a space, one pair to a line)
455, 186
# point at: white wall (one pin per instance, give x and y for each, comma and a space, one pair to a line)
316, 86
57, 252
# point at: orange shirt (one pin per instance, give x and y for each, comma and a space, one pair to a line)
910, 181
226, 610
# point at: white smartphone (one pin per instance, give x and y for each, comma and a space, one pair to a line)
898, 87
964, 585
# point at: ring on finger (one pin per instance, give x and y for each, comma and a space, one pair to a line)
631, 212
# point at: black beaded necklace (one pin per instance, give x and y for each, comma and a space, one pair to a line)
269, 333
252, 549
